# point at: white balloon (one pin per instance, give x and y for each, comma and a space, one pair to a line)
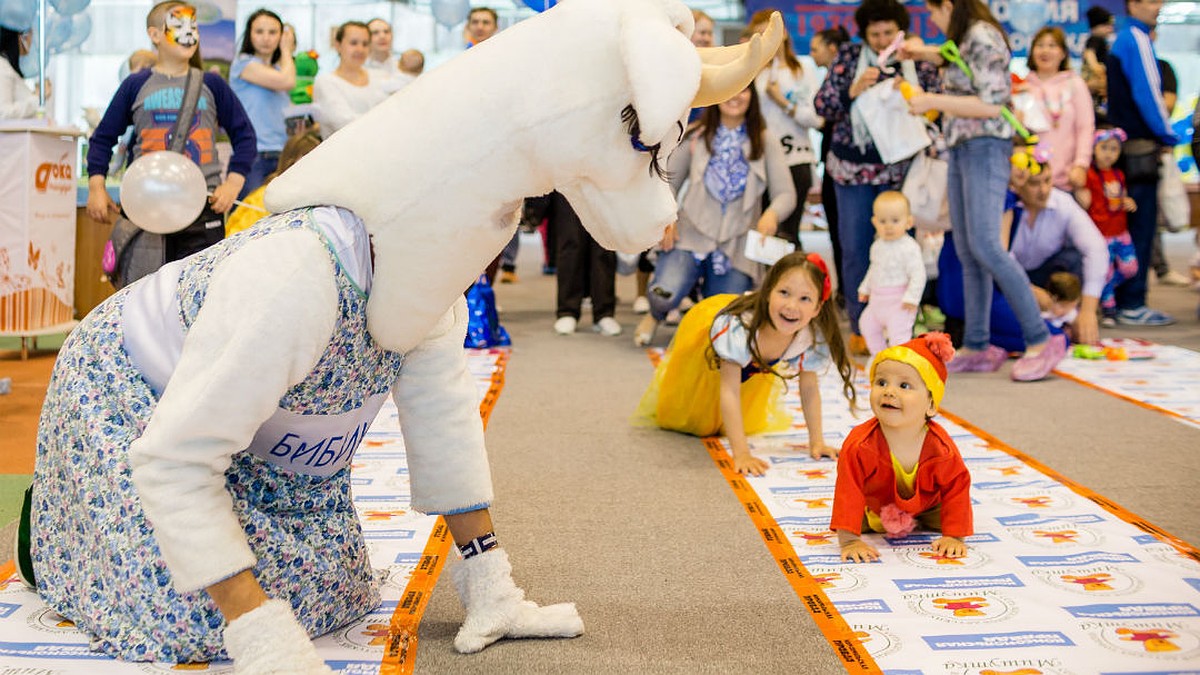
163, 192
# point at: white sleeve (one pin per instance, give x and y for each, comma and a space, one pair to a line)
914, 270
439, 418
16, 100
1085, 237
864, 288
333, 109
268, 315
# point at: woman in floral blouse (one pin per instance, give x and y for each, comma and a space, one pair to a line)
980, 142
859, 174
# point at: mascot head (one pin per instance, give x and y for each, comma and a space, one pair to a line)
588, 98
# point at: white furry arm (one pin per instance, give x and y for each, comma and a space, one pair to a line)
267, 317
439, 418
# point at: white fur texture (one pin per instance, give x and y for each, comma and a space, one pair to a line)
438, 170
269, 640
496, 608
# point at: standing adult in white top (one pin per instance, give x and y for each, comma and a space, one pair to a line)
380, 62
16, 99
786, 90
343, 95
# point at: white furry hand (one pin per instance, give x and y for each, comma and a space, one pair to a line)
269, 639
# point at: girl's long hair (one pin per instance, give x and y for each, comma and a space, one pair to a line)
964, 14
762, 16
10, 48
825, 323
248, 46
710, 119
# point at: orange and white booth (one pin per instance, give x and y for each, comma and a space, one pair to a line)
37, 229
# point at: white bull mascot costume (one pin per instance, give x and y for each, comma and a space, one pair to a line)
191, 499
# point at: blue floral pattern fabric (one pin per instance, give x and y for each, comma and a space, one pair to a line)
725, 175
96, 560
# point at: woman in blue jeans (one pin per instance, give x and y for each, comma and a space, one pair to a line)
980, 143
858, 173
729, 160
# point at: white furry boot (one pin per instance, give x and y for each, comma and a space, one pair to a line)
496, 608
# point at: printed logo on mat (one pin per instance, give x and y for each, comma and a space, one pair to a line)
1057, 535
834, 580
50, 621
878, 640
1036, 501
1016, 640
1163, 640
369, 634
925, 558
1006, 666
963, 608
1097, 580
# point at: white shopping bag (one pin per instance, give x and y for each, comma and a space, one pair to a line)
925, 187
897, 133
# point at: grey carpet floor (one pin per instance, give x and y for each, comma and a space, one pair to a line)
639, 529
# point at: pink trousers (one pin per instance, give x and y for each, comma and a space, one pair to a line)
884, 321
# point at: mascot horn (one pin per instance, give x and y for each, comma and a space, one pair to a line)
191, 497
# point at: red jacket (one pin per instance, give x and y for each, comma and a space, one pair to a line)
865, 479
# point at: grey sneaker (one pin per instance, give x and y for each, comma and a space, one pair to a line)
1144, 316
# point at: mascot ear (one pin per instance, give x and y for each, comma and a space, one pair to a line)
662, 65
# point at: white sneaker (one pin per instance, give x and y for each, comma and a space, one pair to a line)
565, 325
641, 305
608, 327
673, 317
1173, 278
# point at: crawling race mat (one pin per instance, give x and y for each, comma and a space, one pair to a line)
1057, 580
407, 548
1159, 377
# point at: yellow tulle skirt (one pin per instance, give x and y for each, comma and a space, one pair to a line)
685, 393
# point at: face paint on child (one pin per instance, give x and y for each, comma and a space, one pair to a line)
181, 28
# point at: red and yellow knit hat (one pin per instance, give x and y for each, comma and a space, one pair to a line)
928, 353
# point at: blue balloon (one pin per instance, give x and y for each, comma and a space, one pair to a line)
540, 5
58, 31
450, 13
29, 63
1026, 16
18, 15
81, 29
69, 7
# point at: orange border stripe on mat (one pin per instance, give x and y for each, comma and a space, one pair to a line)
400, 652
1086, 492
847, 646
1142, 404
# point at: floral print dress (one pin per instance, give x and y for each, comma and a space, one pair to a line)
95, 555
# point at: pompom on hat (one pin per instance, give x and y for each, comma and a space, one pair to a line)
928, 354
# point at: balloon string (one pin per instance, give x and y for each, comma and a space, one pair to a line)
252, 207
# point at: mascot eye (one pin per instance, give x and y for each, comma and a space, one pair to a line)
630, 119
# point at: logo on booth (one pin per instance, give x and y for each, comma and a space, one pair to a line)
54, 176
